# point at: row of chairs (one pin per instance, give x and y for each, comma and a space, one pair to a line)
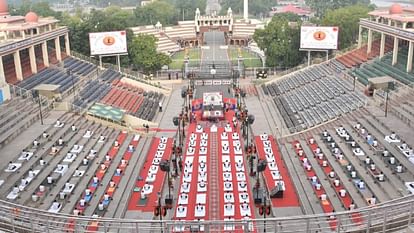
94, 91
303, 106
347, 167
77, 66
110, 75
15, 117
50, 76
359, 56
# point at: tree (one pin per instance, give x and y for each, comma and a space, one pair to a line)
186, 8
144, 56
280, 40
321, 6
156, 11
256, 7
236, 6
80, 25
346, 19
40, 8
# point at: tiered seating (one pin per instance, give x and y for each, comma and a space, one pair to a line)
384, 67
116, 178
234, 185
243, 30
9, 69
310, 97
185, 29
144, 196
373, 170
15, 116
110, 75
21, 171
78, 67
358, 56
133, 99
276, 176
193, 198
97, 178
402, 146
50, 76
103, 144
335, 180
21, 186
93, 92
164, 43
25, 63
393, 163
345, 164
96, 89
69, 150
319, 190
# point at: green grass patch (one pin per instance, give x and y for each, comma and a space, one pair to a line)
250, 59
179, 57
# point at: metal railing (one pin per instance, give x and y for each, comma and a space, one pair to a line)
129, 73
386, 217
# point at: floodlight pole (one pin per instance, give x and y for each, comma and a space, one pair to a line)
160, 210
100, 62
386, 103
118, 60
40, 109
355, 78
265, 209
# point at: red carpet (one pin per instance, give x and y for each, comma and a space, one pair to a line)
347, 200
290, 198
152, 199
193, 185
326, 205
237, 201
192, 195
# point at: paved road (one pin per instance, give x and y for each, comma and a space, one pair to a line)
214, 56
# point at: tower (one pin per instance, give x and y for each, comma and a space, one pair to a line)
246, 10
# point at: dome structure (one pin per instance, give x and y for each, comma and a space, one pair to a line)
396, 9
4, 9
31, 17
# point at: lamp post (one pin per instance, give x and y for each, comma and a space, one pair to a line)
264, 207
355, 79
213, 71
35, 94
386, 102
159, 208
69, 73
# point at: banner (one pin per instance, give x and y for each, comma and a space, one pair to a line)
105, 43
319, 37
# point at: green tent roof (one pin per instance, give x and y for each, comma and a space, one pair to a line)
105, 111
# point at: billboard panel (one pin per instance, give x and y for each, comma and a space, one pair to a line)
318, 37
104, 43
